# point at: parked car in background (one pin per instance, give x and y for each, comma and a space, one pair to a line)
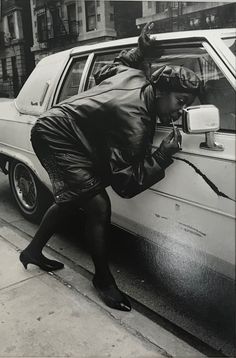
181, 214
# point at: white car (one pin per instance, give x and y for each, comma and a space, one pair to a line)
181, 214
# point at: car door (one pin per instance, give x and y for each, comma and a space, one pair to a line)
67, 83
196, 215
182, 212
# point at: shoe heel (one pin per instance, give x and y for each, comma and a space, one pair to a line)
25, 265
44, 264
23, 261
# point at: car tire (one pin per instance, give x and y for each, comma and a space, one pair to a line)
32, 198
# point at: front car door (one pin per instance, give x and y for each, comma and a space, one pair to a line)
182, 213
187, 207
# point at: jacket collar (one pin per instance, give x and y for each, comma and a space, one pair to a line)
150, 100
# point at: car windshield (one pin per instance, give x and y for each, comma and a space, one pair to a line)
231, 43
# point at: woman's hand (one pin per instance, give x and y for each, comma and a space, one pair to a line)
172, 143
145, 42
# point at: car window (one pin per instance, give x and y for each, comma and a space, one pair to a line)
70, 86
217, 89
99, 62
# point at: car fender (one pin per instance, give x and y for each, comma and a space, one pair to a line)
29, 159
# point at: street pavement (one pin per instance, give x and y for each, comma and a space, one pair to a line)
60, 315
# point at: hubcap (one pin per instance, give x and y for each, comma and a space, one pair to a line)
25, 186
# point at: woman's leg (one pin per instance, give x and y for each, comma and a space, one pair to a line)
98, 219
98, 215
49, 225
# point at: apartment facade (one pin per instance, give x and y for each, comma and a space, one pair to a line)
187, 15
33, 29
16, 59
61, 24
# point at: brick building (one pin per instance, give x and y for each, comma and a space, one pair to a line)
187, 15
125, 15
60, 24
32, 29
16, 59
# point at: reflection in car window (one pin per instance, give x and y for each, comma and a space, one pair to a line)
231, 44
71, 84
217, 89
100, 61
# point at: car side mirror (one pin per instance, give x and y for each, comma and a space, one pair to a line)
203, 119
200, 119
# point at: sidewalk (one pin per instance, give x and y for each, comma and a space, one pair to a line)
42, 316
60, 315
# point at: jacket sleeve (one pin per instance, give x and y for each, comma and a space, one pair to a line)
131, 58
128, 58
131, 176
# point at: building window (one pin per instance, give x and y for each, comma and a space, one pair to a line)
111, 17
4, 69
90, 12
149, 4
71, 14
42, 28
11, 26
98, 3
161, 7
80, 22
175, 4
15, 77
79, 9
98, 17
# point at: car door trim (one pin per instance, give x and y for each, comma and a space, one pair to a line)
190, 202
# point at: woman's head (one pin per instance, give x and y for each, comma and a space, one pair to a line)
175, 87
169, 105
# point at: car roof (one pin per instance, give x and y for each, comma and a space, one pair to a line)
188, 35
61, 56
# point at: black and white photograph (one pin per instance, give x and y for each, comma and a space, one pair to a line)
117, 179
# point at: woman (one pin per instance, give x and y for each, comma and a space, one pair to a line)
103, 137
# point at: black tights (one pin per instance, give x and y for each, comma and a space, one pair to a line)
98, 216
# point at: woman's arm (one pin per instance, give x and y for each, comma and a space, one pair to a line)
134, 166
135, 58
131, 176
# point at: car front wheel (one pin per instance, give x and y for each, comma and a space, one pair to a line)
31, 197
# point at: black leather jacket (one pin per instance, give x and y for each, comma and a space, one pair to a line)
119, 112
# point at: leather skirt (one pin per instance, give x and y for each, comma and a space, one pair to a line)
72, 172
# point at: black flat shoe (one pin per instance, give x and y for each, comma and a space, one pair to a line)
113, 297
42, 262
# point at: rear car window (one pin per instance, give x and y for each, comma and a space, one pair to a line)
70, 86
100, 61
